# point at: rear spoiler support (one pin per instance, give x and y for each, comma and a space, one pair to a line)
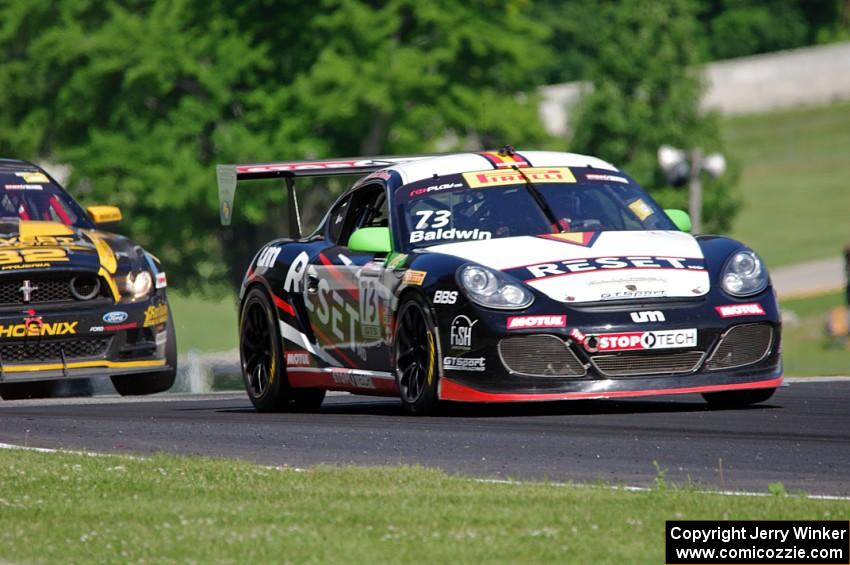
229, 175
294, 213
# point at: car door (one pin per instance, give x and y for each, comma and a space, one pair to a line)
349, 305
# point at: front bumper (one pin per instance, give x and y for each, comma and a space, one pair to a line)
77, 341
478, 371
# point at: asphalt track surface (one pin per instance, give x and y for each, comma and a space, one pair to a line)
801, 437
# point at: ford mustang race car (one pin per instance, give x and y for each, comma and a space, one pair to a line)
498, 277
75, 301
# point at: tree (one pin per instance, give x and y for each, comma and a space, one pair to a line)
143, 98
646, 93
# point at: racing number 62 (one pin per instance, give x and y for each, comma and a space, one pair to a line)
13, 256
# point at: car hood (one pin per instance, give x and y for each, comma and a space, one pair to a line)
35, 245
594, 266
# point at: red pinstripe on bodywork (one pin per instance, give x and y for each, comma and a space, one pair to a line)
451, 390
283, 305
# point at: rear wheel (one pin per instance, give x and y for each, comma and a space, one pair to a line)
150, 383
738, 398
416, 357
261, 355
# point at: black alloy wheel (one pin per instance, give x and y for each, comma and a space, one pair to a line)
416, 357
261, 355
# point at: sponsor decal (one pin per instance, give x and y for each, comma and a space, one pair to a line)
574, 266
505, 159
641, 209
630, 341
396, 261
584, 239
38, 241
485, 179
113, 328
415, 278
734, 310
33, 177
24, 266
306, 165
460, 335
161, 338
449, 234
605, 178
23, 187
267, 257
371, 332
434, 188
297, 359
34, 326
476, 364
383, 175
647, 316
155, 315
545, 321
161, 281
625, 294
343, 377
577, 335
115, 317
445, 297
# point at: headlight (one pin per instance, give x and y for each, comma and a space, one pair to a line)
137, 285
492, 289
744, 274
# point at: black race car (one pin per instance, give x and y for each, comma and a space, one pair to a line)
75, 301
494, 277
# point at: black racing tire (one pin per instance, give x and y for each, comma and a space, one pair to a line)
261, 357
151, 383
416, 357
738, 398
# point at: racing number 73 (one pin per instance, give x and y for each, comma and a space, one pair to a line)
14, 256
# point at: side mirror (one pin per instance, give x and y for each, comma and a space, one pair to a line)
104, 214
370, 240
680, 218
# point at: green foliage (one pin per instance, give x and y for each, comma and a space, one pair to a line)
144, 98
646, 94
745, 28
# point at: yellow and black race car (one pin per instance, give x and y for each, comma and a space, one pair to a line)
75, 301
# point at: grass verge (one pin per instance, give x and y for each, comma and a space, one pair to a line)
794, 182
80, 509
805, 349
202, 324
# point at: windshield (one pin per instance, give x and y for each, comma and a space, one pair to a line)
500, 203
31, 195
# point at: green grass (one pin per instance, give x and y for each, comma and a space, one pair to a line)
805, 349
204, 325
795, 182
81, 509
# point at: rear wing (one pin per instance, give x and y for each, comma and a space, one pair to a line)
228, 176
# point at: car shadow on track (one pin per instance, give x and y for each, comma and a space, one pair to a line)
564, 408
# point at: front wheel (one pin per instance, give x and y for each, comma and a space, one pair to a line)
738, 398
416, 357
151, 383
261, 356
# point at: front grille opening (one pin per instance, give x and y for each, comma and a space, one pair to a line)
68, 288
640, 364
742, 345
42, 351
539, 356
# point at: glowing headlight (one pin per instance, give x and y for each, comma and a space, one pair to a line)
744, 274
137, 285
492, 289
